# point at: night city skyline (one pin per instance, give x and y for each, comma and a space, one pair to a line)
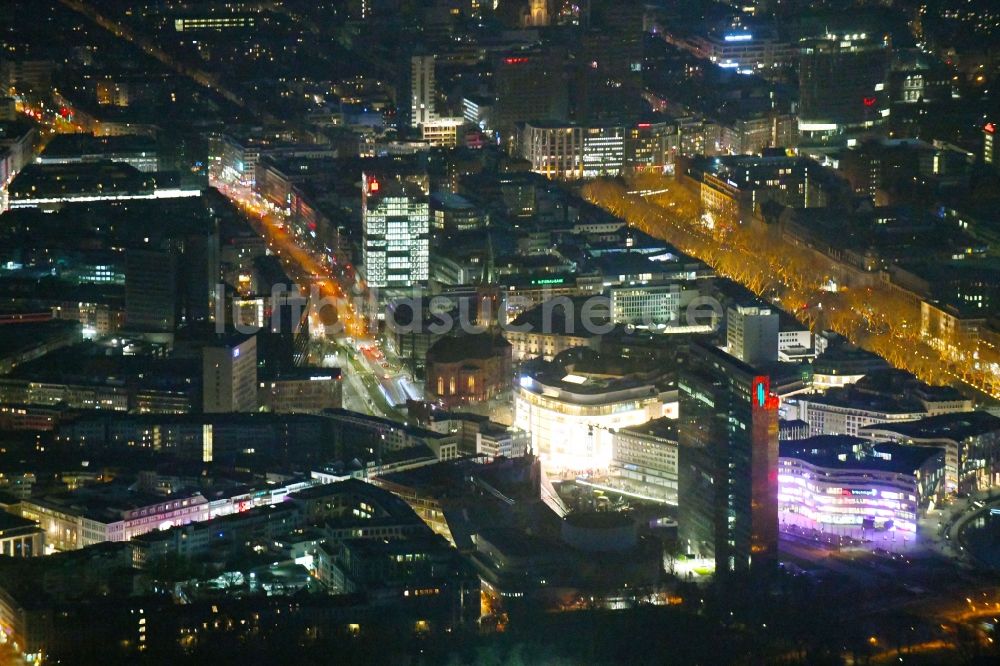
509, 332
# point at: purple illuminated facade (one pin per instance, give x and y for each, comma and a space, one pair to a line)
839, 483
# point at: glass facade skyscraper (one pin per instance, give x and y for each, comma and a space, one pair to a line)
727, 460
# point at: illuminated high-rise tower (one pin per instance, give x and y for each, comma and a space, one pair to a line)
396, 220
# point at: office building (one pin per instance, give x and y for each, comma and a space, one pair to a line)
229, 376
646, 305
49, 186
530, 85
651, 146
302, 390
453, 212
396, 218
727, 478
752, 334
109, 512
478, 111
749, 51
846, 486
422, 90
843, 411
644, 460
172, 280
20, 537
150, 290
739, 185
136, 150
569, 151
842, 86
441, 132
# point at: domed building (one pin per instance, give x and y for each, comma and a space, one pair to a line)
469, 368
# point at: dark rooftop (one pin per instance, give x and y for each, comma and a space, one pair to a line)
956, 427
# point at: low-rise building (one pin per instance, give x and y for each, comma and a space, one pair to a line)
572, 418
20, 537
109, 512
971, 441
842, 485
469, 368
306, 390
644, 460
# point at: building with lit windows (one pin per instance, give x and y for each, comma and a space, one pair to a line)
569, 151
990, 153
644, 460
396, 232
651, 146
214, 22
477, 111
647, 305
741, 184
137, 150
468, 368
572, 417
452, 212
844, 411
727, 480
109, 512
304, 390
843, 485
20, 537
49, 186
558, 324
756, 51
441, 132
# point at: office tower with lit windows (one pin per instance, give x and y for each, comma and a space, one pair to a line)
727, 460
422, 90
396, 230
229, 375
842, 86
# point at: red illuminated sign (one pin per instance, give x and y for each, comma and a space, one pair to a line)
990, 128
869, 101
644, 125
515, 61
761, 394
